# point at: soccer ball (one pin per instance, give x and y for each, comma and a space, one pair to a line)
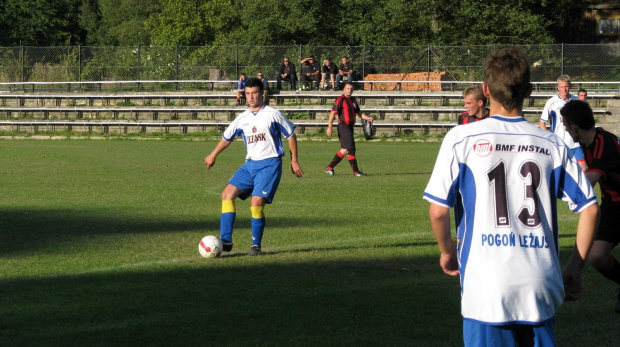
210, 246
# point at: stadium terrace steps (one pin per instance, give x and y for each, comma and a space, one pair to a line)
397, 112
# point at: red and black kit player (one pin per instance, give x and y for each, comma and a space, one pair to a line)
347, 109
475, 104
602, 153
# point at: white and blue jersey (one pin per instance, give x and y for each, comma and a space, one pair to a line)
551, 113
262, 132
503, 177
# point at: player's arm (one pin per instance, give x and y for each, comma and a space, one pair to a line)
292, 146
362, 115
210, 159
586, 229
330, 122
440, 223
542, 124
593, 177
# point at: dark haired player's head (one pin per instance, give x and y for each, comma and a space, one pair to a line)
507, 75
255, 82
579, 113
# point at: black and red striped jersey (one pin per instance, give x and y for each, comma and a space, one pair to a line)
603, 156
347, 109
465, 118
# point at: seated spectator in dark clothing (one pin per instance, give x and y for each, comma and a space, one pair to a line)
286, 73
266, 90
313, 73
346, 68
329, 70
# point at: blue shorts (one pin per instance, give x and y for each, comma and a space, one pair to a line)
258, 178
578, 154
479, 335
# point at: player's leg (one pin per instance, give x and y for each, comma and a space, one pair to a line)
266, 181
607, 237
478, 334
345, 133
257, 206
343, 129
229, 214
239, 186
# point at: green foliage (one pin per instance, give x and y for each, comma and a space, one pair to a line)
351, 22
39, 23
183, 22
10, 65
110, 63
64, 70
117, 22
276, 22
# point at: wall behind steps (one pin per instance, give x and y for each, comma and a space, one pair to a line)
397, 77
610, 122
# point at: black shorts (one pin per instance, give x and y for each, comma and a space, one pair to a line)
608, 226
345, 134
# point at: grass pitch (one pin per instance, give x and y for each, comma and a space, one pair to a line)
98, 247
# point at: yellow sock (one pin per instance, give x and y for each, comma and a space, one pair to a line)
228, 206
257, 212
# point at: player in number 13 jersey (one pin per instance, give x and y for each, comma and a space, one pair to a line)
503, 176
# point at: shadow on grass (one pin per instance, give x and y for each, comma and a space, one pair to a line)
209, 302
24, 229
234, 302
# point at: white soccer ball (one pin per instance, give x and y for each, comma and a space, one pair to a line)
210, 246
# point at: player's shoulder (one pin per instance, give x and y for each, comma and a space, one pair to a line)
606, 135
553, 99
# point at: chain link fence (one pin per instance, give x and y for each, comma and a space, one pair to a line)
584, 63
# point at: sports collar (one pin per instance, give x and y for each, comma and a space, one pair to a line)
255, 112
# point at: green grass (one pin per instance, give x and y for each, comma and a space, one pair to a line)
98, 247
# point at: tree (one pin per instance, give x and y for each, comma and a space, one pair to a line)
39, 22
183, 22
490, 21
222, 22
117, 22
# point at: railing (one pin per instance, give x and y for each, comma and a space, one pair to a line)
139, 85
185, 127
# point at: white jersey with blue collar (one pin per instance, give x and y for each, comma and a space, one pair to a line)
503, 177
262, 132
551, 113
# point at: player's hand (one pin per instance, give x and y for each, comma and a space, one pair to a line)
209, 161
573, 284
296, 169
448, 264
328, 132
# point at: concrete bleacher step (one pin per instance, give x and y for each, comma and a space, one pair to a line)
396, 112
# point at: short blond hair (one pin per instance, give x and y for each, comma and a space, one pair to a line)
476, 92
564, 78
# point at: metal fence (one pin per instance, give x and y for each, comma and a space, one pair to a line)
595, 62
